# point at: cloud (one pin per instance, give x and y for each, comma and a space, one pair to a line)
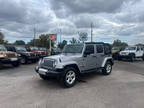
113, 19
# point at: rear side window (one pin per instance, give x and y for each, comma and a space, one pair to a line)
90, 48
107, 49
99, 48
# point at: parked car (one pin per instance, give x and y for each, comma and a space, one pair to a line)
76, 59
24, 54
43, 52
8, 57
132, 52
55, 51
115, 52
34, 50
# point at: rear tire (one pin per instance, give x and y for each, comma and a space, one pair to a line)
107, 69
70, 77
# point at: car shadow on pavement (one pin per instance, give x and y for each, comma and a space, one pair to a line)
88, 76
48, 84
6, 67
126, 60
55, 83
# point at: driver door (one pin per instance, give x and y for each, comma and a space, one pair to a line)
90, 59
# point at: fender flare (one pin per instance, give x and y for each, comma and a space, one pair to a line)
105, 60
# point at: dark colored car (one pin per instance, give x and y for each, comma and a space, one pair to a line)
56, 51
24, 54
34, 50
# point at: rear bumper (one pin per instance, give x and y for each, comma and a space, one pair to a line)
50, 73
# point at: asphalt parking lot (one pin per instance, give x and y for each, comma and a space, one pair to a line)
22, 88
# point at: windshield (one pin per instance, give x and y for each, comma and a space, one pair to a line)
42, 49
130, 48
19, 48
73, 49
114, 48
34, 48
2, 48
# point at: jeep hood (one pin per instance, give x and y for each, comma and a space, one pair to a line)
64, 57
128, 51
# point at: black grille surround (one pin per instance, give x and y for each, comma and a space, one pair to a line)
49, 63
11, 55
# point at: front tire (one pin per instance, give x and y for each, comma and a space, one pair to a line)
23, 60
15, 64
70, 77
107, 69
143, 57
132, 58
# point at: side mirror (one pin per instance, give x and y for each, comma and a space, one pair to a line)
86, 53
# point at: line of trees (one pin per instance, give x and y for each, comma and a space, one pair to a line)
44, 41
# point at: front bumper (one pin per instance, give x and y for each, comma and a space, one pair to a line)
124, 56
32, 57
50, 72
9, 60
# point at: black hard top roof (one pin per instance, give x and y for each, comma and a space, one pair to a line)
94, 43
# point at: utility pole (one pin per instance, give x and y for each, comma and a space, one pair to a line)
34, 36
91, 32
60, 35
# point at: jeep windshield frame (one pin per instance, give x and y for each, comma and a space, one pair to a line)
73, 48
20, 48
2, 48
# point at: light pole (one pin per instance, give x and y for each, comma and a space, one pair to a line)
91, 32
60, 35
34, 36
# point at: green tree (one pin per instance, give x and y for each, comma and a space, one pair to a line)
19, 42
43, 41
120, 44
73, 41
2, 41
140, 44
61, 45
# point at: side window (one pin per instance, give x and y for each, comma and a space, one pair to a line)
99, 48
138, 49
89, 49
107, 49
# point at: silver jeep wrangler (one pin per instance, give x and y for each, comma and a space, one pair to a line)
76, 59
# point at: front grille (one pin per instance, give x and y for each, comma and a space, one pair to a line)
48, 63
11, 55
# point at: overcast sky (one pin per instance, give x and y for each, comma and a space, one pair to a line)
112, 19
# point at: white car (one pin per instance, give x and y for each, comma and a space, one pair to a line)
132, 52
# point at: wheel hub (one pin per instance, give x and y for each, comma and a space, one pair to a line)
70, 77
